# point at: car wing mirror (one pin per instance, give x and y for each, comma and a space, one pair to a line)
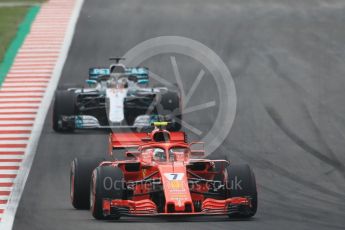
132, 154
197, 149
91, 83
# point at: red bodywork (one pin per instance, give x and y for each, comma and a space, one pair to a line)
178, 185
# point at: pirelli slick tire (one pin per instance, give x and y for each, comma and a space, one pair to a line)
106, 183
64, 105
80, 177
242, 183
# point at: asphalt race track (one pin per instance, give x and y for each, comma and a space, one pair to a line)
288, 62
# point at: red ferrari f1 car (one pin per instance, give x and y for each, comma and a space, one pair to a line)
163, 175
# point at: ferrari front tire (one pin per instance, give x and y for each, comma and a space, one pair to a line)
107, 182
80, 177
241, 183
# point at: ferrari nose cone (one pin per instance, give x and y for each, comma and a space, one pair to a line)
176, 189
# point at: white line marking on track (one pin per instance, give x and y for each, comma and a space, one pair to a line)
26, 80
17, 110
51, 50
33, 84
37, 55
33, 67
21, 89
6, 180
10, 120
10, 164
14, 135
21, 94
8, 156
18, 104
34, 61
28, 74
3, 206
18, 99
16, 128
30, 71
13, 142
10, 116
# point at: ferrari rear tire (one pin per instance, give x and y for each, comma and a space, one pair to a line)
242, 183
80, 177
64, 105
106, 182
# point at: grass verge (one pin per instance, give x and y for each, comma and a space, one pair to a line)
15, 24
10, 18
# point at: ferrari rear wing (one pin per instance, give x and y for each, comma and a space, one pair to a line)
132, 139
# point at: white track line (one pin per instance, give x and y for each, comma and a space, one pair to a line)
19, 99
7, 172
31, 71
10, 164
21, 135
6, 180
23, 89
42, 61
16, 128
26, 80
32, 66
28, 74
16, 122
17, 116
14, 116
13, 142
2, 111
35, 61
51, 50
7, 156
18, 104
21, 94
34, 84
3, 206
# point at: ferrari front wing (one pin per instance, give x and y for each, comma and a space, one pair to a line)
146, 207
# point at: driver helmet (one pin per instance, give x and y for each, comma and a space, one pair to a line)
122, 83
159, 155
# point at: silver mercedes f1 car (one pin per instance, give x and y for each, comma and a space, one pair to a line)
116, 97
